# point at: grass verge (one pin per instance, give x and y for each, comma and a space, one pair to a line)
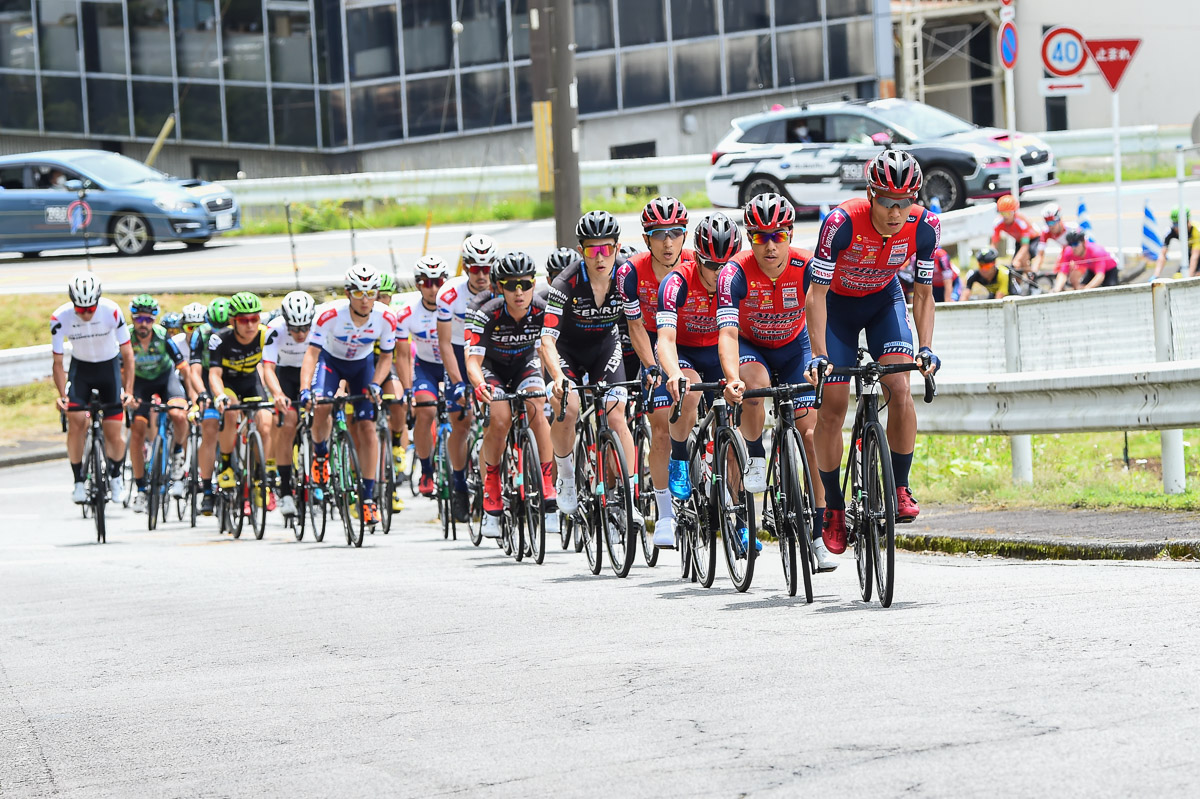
27, 413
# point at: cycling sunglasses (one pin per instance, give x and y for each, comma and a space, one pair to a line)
903, 203
599, 250
477, 269
359, 294
247, 319
299, 328
776, 236
664, 233
144, 319
516, 285
430, 282
188, 327
85, 308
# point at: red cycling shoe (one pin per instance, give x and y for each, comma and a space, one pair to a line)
833, 533
906, 506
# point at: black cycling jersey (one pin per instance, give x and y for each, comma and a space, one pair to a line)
231, 355
499, 338
571, 311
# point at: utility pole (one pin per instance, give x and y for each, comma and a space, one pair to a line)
552, 52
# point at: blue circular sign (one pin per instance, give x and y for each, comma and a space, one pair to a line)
1006, 45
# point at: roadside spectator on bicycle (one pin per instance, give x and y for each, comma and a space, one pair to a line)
502, 357
217, 317
1193, 244
341, 346
417, 322
101, 359
283, 355
1019, 229
1085, 265
993, 278
158, 365
454, 303
664, 229
853, 289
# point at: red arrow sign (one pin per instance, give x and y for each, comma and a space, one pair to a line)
1112, 56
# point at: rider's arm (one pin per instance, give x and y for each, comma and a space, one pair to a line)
387, 345
474, 369
445, 333
60, 376
814, 317
309, 367
271, 381
672, 295
127, 367
556, 306
215, 381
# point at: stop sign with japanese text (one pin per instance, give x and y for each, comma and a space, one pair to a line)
1112, 56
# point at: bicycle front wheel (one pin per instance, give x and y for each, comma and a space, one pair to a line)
356, 527
442, 472
99, 487
880, 512
616, 503
774, 514
256, 476
532, 506
152, 471
798, 507
700, 511
645, 491
193, 492
588, 527
735, 508
385, 481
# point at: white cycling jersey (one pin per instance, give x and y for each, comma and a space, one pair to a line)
281, 349
419, 323
184, 342
453, 304
335, 332
95, 341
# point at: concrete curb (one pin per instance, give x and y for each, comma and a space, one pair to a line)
35, 456
1051, 549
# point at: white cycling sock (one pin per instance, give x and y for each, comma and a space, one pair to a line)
566, 468
666, 508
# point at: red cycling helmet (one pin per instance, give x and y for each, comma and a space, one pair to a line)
717, 238
895, 172
664, 212
769, 212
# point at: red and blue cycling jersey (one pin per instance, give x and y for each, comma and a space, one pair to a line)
639, 286
769, 313
685, 305
854, 259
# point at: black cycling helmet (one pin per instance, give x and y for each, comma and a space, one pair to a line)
559, 260
598, 225
513, 264
1075, 236
717, 239
987, 256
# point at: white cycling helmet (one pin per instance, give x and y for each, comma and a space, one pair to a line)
298, 309
362, 277
479, 249
84, 289
430, 266
195, 313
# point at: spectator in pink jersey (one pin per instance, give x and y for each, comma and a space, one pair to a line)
1085, 264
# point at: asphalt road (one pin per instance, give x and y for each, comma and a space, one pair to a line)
267, 261
177, 663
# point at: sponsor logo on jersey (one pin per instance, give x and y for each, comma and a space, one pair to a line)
791, 297
448, 296
898, 254
325, 317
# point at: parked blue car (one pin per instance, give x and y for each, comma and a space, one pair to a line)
52, 200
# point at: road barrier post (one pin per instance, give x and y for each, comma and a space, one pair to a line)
1021, 446
1174, 469
287, 213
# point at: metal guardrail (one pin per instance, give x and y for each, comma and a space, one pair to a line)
27, 364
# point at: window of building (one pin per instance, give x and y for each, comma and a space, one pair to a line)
746, 15
427, 42
243, 41
371, 39
432, 106
295, 117
486, 99
848, 8
62, 105
196, 39
644, 77
103, 38
199, 111
748, 63
152, 102
329, 41
246, 108
597, 83
520, 32
593, 25
642, 22
333, 117
524, 89
378, 113
108, 107
19, 109
851, 49
484, 39
214, 169
801, 56
16, 43
796, 12
291, 46
149, 37
692, 18
58, 34
698, 70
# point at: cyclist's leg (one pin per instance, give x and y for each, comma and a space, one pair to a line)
530, 379
754, 370
787, 364
78, 385
492, 449
890, 340
562, 433
841, 342
289, 383
142, 391
426, 377
176, 397
324, 385
358, 376
460, 428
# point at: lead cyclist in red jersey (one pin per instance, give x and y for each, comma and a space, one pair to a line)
861, 247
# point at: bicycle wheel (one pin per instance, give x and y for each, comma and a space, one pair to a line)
385, 480
152, 473
193, 487
588, 527
238, 495
358, 526
798, 508
443, 474
512, 526
735, 508
256, 477
414, 472
98, 491
616, 503
701, 512
531, 497
855, 517
880, 513
299, 487
775, 518
645, 491
474, 492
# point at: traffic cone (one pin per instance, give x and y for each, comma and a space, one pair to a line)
935, 206
1151, 243
1081, 215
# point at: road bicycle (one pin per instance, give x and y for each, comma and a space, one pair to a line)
637, 413
387, 477
311, 511
442, 473
523, 521
247, 499
95, 466
871, 505
345, 475
158, 465
193, 492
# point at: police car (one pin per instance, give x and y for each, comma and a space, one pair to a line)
815, 154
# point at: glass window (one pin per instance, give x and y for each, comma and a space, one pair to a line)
214, 169
644, 77
16, 35
150, 37
807, 130
690, 18
19, 109
851, 49
801, 56
853, 129
152, 102
247, 109
642, 22
593, 26
103, 38
847, 8
597, 83
371, 37
427, 44
378, 114
199, 112
773, 131
485, 99
698, 70
243, 40
748, 63
333, 117
57, 34
746, 15
62, 105
295, 117
524, 94
329, 41
520, 33
794, 12
196, 38
108, 107
484, 39
432, 106
291, 47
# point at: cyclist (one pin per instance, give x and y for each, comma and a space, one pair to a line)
629, 356
417, 322
1055, 231
854, 288
993, 278
580, 340
194, 314
199, 362
947, 285
172, 322
234, 357
1085, 264
664, 227
394, 385
283, 354
1019, 229
101, 358
502, 355
454, 300
559, 260
1193, 243
341, 346
157, 367
763, 335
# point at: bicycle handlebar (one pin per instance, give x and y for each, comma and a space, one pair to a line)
874, 370
677, 407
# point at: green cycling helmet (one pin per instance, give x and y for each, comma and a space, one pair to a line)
387, 284
218, 312
244, 302
1175, 215
143, 304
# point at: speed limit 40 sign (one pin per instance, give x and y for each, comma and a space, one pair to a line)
1063, 53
